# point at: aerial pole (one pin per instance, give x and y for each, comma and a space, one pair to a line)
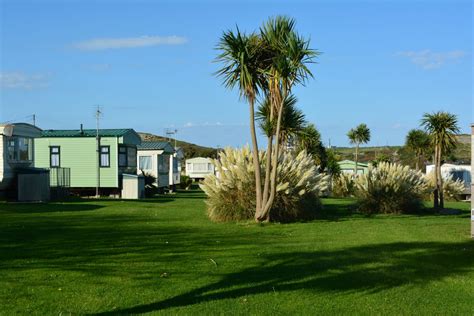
97, 138
171, 132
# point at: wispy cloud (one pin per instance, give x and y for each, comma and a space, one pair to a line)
98, 67
205, 124
428, 59
129, 42
20, 80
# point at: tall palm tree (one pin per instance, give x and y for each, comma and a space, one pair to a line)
241, 56
357, 136
288, 55
442, 127
419, 142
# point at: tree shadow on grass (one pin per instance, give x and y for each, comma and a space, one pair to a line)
32, 208
369, 269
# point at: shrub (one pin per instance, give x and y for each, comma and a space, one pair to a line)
390, 188
452, 189
150, 184
343, 185
185, 182
231, 194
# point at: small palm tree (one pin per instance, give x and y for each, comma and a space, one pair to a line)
419, 142
357, 136
292, 121
309, 139
442, 128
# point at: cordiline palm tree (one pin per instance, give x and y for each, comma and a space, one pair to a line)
442, 128
241, 56
357, 136
419, 142
287, 58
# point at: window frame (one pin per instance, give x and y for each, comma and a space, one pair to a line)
100, 156
125, 148
51, 156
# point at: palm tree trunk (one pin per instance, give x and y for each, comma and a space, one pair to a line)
440, 181
435, 192
417, 162
256, 160
268, 167
266, 208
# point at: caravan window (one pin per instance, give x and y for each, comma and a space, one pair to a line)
200, 167
122, 157
54, 157
144, 163
132, 157
163, 163
20, 149
104, 156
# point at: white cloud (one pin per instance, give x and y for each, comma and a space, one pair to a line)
20, 80
428, 59
129, 42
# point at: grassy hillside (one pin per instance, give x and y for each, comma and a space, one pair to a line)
190, 150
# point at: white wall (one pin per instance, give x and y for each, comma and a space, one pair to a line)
162, 180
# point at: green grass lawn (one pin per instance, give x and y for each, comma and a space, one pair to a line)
164, 256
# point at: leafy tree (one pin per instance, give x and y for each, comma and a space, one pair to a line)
382, 157
358, 135
332, 166
419, 142
442, 128
309, 139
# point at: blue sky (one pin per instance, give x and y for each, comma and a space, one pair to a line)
148, 64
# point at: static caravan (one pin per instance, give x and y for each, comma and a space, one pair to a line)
348, 166
199, 168
176, 167
17, 142
154, 158
92, 161
456, 172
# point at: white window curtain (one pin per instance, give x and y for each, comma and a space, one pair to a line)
145, 162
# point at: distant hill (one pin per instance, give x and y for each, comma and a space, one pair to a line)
190, 150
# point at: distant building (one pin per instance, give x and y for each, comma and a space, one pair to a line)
155, 158
348, 166
199, 168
